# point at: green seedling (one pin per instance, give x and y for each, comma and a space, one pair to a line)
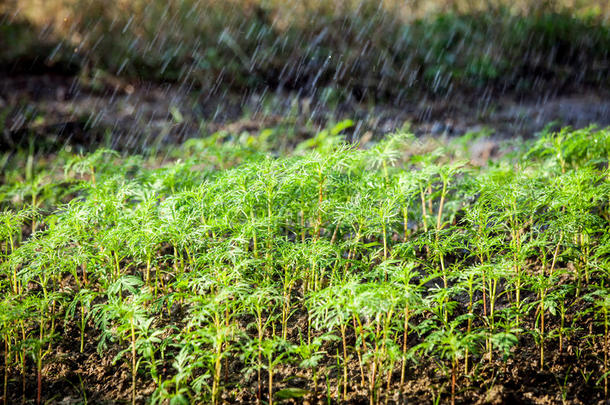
237, 274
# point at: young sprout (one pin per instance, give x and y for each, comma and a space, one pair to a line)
261, 303
124, 318
541, 283
11, 224
100, 160
143, 241
407, 191
375, 307
331, 308
275, 350
471, 280
405, 280
448, 342
311, 354
603, 304
82, 299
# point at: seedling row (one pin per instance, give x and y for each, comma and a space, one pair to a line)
338, 274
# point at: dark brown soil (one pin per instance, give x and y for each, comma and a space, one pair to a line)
109, 111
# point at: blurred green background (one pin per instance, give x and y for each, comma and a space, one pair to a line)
368, 49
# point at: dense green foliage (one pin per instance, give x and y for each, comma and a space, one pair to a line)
218, 276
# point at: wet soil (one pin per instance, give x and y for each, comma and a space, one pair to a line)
108, 111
